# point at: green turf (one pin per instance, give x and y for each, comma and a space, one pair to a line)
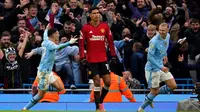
74, 111
54, 111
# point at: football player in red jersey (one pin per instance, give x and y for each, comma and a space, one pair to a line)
95, 34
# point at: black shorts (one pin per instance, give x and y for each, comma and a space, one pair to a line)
100, 68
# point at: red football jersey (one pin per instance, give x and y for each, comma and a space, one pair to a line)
95, 38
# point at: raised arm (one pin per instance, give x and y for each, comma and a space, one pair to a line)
45, 35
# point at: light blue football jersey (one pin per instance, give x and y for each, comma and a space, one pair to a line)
156, 52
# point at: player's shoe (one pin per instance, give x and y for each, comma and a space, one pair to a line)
151, 105
101, 108
140, 110
24, 110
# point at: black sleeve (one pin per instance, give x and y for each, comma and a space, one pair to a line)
1, 68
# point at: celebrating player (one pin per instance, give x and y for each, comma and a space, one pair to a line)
95, 34
155, 72
45, 74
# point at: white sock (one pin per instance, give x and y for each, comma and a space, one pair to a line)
140, 109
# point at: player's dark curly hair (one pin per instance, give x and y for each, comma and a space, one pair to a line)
52, 31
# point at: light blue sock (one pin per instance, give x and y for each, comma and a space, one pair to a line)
33, 101
148, 99
164, 89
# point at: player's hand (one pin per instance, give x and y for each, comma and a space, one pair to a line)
165, 60
165, 69
73, 39
48, 26
29, 55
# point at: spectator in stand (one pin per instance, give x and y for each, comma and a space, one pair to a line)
138, 63
31, 18
43, 10
15, 32
87, 4
17, 13
151, 32
11, 71
193, 38
117, 88
7, 23
24, 46
53, 15
4, 44
70, 28
141, 8
12, 64
179, 49
75, 9
172, 21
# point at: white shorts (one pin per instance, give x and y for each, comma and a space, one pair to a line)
155, 78
45, 80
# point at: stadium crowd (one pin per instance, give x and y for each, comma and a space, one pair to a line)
132, 23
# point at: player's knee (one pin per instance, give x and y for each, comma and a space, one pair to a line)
173, 86
97, 82
60, 89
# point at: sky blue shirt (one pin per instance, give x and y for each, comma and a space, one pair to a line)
62, 56
156, 52
49, 53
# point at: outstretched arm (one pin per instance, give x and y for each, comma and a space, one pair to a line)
35, 51
53, 46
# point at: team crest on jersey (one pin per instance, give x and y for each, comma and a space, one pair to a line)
151, 46
102, 30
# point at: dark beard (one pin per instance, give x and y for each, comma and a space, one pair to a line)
5, 45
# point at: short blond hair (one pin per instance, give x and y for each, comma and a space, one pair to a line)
164, 25
151, 27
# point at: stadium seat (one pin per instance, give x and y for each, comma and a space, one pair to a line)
183, 80
78, 86
1, 85
26, 85
85, 86
31, 80
185, 86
